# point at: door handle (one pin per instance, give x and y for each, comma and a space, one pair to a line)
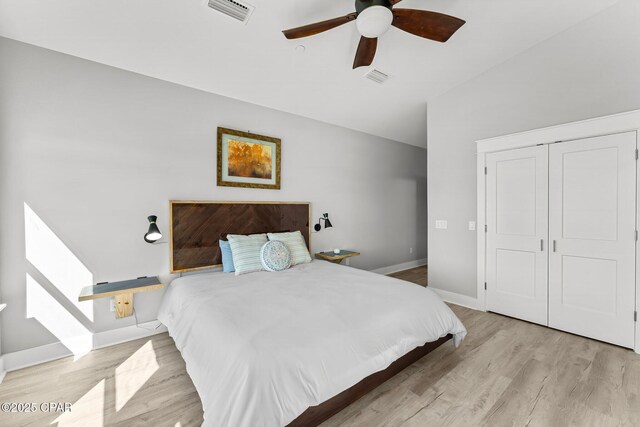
554, 246
541, 245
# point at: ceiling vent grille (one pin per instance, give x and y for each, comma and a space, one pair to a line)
377, 76
239, 11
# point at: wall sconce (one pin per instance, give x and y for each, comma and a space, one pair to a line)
327, 223
154, 234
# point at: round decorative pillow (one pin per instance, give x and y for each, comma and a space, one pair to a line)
275, 256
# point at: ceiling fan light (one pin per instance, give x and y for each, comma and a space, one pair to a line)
374, 21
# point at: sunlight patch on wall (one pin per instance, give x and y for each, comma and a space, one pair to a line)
87, 411
134, 372
46, 252
57, 319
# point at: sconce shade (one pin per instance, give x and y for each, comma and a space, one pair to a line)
153, 234
327, 223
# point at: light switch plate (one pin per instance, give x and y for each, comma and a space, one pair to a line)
441, 224
472, 226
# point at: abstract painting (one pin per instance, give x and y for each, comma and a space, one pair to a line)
248, 160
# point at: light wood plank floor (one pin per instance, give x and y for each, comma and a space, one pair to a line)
506, 372
416, 275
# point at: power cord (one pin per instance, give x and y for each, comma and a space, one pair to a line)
135, 316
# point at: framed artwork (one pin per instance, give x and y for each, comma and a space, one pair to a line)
248, 160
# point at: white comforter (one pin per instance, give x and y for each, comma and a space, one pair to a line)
263, 347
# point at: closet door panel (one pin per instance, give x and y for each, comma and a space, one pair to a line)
517, 211
592, 227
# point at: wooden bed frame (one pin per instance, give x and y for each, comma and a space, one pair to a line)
196, 228
315, 415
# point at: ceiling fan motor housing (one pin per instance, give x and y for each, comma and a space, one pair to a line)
374, 17
363, 4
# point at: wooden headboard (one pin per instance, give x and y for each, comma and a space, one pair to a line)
196, 227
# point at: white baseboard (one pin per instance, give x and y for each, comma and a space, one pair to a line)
35, 355
400, 267
46, 353
129, 333
458, 299
451, 297
2, 371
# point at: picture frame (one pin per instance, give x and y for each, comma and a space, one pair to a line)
248, 160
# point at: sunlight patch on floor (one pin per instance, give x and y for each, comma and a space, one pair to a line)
88, 411
134, 372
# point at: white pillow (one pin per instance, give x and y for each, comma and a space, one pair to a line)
295, 242
245, 251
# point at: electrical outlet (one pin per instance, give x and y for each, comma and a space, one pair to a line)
112, 305
441, 224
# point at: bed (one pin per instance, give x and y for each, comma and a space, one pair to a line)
294, 347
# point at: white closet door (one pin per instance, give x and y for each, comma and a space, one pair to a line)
592, 222
517, 229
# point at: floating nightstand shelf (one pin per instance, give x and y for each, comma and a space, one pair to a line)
122, 292
336, 258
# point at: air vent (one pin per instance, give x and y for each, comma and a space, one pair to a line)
377, 76
240, 11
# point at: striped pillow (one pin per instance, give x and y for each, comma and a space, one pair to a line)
295, 241
246, 252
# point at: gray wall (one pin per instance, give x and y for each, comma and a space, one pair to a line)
590, 70
93, 150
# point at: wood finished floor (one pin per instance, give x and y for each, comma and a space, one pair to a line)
506, 372
416, 275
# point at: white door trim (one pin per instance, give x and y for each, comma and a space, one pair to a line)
599, 126
617, 123
480, 227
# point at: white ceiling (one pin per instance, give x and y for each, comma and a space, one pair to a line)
185, 42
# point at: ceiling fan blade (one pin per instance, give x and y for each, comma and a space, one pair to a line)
366, 52
318, 27
430, 25
395, 1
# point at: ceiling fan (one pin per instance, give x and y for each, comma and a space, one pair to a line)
374, 17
